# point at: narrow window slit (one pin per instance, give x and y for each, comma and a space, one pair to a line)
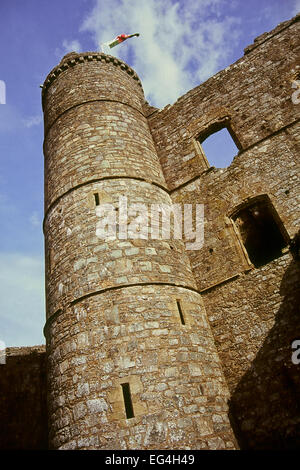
180, 312
127, 400
96, 196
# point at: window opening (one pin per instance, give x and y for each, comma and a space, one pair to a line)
127, 400
96, 196
219, 144
180, 312
260, 232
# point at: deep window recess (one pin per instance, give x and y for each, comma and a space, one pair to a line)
96, 196
180, 312
127, 400
261, 231
219, 145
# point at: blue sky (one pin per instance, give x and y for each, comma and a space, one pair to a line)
182, 43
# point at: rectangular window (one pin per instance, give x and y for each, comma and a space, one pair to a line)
127, 400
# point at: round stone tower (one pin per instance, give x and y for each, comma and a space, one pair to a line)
131, 359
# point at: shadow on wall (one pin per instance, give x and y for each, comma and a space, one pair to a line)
265, 406
23, 407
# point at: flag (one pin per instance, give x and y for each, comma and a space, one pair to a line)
118, 40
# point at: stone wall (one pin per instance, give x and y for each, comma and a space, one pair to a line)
23, 404
200, 337
115, 306
252, 310
254, 320
252, 97
177, 386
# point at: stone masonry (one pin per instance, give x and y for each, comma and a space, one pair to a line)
112, 305
150, 345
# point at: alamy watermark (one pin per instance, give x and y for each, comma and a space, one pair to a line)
2, 92
296, 94
153, 221
296, 354
2, 352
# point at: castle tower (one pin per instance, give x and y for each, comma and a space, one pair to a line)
131, 359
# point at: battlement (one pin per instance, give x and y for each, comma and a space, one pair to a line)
73, 58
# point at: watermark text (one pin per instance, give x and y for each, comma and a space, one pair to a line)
2, 352
296, 94
156, 222
296, 354
2, 92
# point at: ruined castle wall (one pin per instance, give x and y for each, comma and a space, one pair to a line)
112, 305
23, 407
254, 320
245, 94
270, 168
252, 316
252, 311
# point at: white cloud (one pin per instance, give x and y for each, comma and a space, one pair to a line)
11, 119
35, 220
21, 299
296, 8
67, 46
32, 121
181, 44
71, 46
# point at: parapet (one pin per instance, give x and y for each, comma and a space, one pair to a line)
89, 77
73, 58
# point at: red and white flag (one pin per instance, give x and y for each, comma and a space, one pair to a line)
118, 40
